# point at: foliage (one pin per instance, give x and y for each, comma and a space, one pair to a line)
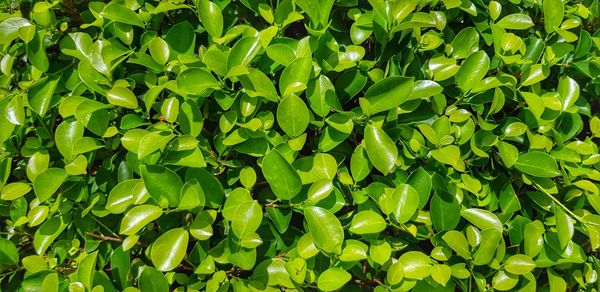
299, 144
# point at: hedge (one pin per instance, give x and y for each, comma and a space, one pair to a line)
299, 145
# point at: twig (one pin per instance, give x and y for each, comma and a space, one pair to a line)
104, 238
557, 202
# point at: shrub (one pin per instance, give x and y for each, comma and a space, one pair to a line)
299, 145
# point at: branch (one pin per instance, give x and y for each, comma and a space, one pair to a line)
109, 238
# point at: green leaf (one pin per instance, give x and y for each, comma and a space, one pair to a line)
366, 222
319, 190
503, 281
333, 279
325, 228
489, 242
538, 164
296, 268
211, 17
48, 182
445, 211
120, 13
564, 226
568, 89
159, 50
169, 249
243, 52
483, 219
294, 77
152, 280
162, 184
457, 242
121, 196
41, 95
280, 217
420, 180
534, 74
381, 149
416, 264
395, 273
509, 202
519, 264
281, 53
256, 83
472, 70
553, 14
211, 186
386, 94
138, 217
15, 112
508, 153
86, 270
448, 155
48, 232
360, 165
201, 228
534, 241
194, 81
9, 28
441, 274
516, 21
281, 176
465, 43
292, 115
122, 96
247, 218
405, 201
192, 195
36, 51
13, 191
9, 254
152, 142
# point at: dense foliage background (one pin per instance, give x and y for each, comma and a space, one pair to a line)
299, 145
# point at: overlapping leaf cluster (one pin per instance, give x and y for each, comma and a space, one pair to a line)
254, 145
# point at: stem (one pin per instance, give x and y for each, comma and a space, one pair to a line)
4, 274
110, 238
103, 238
105, 227
556, 201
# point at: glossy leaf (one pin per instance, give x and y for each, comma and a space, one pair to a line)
282, 177
169, 249
537, 164
292, 115
386, 94
381, 149
366, 222
325, 228
211, 17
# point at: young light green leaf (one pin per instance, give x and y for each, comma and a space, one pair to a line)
519, 264
169, 249
333, 279
405, 201
366, 222
211, 17
122, 96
